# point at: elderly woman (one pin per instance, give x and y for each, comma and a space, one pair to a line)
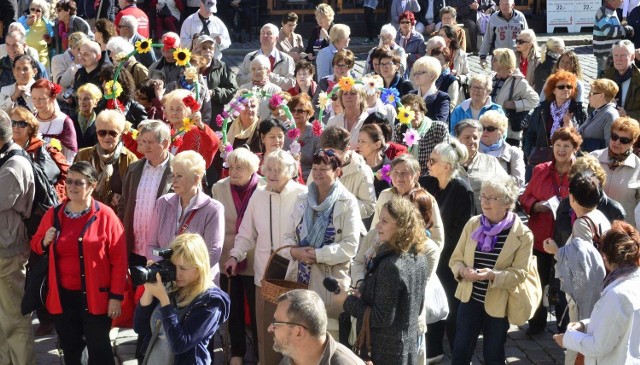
596, 129
104, 31
86, 238
67, 24
478, 165
304, 73
134, 111
339, 37
272, 134
53, 123
512, 92
391, 73
431, 132
63, 65
569, 61
560, 109
188, 210
622, 166
319, 38
234, 192
109, 157
39, 27
456, 204
388, 35
447, 81
88, 96
399, 270
180, 105
528, 54
119, 48
244, 129
411, 41
491, 258
290, 42
19, 93
302, 111
494, 126
550, 53
548, 186
424, 74
355, 112
459, 65
371, 145
260, 69
607, 336
25, 133
480, 87
263, 236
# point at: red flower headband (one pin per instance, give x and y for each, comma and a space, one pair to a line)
191, 103
55, 89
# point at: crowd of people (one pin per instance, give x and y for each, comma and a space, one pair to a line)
433, 197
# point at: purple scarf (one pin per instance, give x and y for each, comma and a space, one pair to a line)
486, 234
619, 272
241, 196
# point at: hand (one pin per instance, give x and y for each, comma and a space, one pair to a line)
306, 255
550, 246
622, 112
540, 208
49, 236
430, 28
31, 19
468, 274
114, 309
485, 274
558, 338
509, 104
218, 39
20, 90
157, 290
230, 266
567, 119
483, 64
197, 120
576, 326
474, 6
158, 87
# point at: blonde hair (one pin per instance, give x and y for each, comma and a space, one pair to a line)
91, 89
191, 248
429, 64
338, 32
76, 39
361, 92
608, 87
496, 118
410, 234
587, 162
553, 45
192, 162
244, 157
505, 58
326, 10
112, 116
482, 79
530, 36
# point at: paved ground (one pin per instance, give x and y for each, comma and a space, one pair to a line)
520, 348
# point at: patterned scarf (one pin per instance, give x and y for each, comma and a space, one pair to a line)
316, 216
618, 273
487, 234
241, 202
557, 113
617, 159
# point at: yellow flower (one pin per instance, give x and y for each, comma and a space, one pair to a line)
187, 123
55, 143
112, 89
144, 46
405, 115
323, 100
346, 83
182, 56
134, 134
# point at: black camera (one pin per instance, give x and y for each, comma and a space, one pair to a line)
68, 93
167, 270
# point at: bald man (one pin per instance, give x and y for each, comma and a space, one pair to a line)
91, 59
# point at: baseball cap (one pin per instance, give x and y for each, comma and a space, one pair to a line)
203, 38
210, 5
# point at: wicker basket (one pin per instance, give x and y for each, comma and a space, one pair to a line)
272, 289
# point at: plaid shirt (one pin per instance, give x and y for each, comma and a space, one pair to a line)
438, 133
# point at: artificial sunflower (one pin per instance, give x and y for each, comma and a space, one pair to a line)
144, 46
182, 56
112, 89
405, 115
346, 83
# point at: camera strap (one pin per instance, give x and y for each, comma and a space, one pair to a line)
185, 225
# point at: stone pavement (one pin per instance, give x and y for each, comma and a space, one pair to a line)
520, 348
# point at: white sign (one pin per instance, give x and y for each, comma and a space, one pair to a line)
572, 15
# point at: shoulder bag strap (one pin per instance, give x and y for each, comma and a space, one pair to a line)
185, 225
595, 230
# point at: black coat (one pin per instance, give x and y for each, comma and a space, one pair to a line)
222, 84
133, 111
402, 85
82, 76
542, 72
89, 137
437, 106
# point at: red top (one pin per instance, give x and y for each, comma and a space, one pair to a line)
204, 141
67, 252
544, 184
524, 64
143, 19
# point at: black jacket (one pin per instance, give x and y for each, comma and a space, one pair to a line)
89, 137
403, 86
222, 84
542, 72
133, 111
82, 76
437, 106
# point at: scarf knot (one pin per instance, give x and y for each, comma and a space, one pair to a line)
494, 147
487, 234
617, 159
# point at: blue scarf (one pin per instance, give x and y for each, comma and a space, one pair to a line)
317, 216
487, 234
494, 147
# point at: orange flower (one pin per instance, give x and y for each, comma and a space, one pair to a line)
346, 83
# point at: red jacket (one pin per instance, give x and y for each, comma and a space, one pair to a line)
105, 258
143, 19
544, 184
205, 142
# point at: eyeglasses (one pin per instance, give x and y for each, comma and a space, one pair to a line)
405, 22
103, 133
419, 73
19, 124
623, 140
386, 64
521, 41
477, 88
489, 128
78, 182
432, 161
36, 10
562, 87
592, 94
341, 66
490, 199
298, 111
280, 323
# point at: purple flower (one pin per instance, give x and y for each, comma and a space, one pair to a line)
219, 120
294, 148
411, 137
384, 174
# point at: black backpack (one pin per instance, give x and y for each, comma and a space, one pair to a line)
45, 195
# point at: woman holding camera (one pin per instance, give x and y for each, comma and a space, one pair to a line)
188, 209
87, 268
177, 324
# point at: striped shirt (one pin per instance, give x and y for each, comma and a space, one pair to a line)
487, 260
607, 30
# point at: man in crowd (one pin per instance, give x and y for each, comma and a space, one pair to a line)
607, 30
16, 199
128, 29
467, 14
282, 65
205, 22
503, 29
129, 7
16, 46
91, 59
627, 75
165, 69
299, 331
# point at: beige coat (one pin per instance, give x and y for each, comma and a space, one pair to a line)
524, 96
510, 268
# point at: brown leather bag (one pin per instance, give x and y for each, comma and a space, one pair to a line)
362, 346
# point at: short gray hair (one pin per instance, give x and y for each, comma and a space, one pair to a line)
503, 185
483, 79
466, 123
454, 153
497, 118
6, 131
119, 45
306, 308
261, 60
244, 157
625, 43
389, 29
283, 160
18, 36
159, 129
129, 21
114, 116
408, 159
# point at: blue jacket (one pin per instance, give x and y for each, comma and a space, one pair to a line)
48, 23
189, 336
463, 111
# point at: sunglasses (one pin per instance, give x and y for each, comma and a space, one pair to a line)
103, 133
623, 140
78, 182
489, 128
520, 41
19, 123
562, 87
35, 10
298, 111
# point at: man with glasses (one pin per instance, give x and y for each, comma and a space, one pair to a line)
128, 7
128, 29
299, 330
502, 30
627, 75
16, 46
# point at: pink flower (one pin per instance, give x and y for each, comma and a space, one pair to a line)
219, 120
294, 148
317, 128
384, 173
411, 137
228, 148
293, 133
275, 101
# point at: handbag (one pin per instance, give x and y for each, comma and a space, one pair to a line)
540, 155
36, 284
438, 307
362, 348
518, 121
525, 297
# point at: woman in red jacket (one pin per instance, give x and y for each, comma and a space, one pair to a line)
548, 186
87, 268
